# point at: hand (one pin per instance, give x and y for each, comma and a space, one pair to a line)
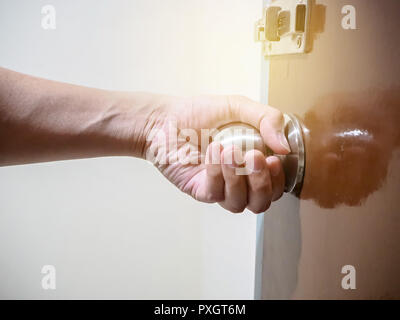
42, 120
177, 147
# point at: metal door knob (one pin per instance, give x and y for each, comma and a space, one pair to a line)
247, 137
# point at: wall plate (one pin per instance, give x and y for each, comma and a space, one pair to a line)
284, 27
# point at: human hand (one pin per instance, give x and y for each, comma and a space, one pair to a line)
178, 145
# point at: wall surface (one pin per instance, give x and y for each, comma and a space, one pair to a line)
113, 227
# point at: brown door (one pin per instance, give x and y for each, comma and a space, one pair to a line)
346, 90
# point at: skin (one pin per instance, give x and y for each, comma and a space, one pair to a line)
43, 120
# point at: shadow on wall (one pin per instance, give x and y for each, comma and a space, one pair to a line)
282, 249
350, 138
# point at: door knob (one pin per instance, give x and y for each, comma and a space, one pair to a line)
247, 137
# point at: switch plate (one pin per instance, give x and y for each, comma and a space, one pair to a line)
284, 27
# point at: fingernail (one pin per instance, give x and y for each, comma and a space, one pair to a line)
283, 141
253, 166
258, 166
236, 159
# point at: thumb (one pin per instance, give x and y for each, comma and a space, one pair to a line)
269, 121
272, 132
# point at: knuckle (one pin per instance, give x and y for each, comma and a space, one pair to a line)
237, 97
277, 114
233, 207
256, 209
278, 195
237, 208
235, 102
242, 98
261, 186
259, 207
214, 197
214, 170
234, 181
267, 206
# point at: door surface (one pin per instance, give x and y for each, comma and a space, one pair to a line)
346, 91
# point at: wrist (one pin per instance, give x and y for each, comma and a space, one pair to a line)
137, 115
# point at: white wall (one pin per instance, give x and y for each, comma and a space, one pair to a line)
113, 227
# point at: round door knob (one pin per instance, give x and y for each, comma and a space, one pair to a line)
247, 138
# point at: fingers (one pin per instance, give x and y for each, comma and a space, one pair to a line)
235, 190
226, 183
214, 179
208, 185
259, 182
277, 177
272, 131
268, 120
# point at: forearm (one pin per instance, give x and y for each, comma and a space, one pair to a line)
42, 120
